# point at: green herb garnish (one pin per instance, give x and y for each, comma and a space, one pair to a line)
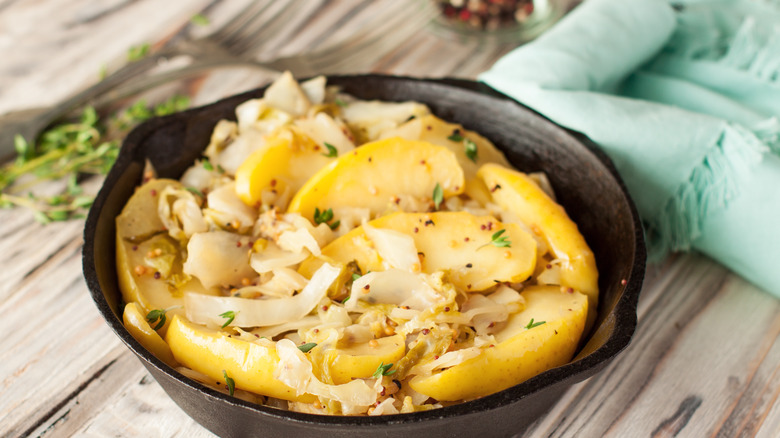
332, 151
455, 136
498, 241
438, 195
355, 276
382, 370
471, 149
231, 384
340, 102
86, 146
199, 20
307, 347
137, 52
158, 315
196, 192
230, 316
532, 324
324, 217
207, 165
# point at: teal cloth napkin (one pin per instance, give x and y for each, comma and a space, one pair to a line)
685, 99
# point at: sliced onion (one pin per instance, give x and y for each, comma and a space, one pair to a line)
272, 257
180, 213
217, 259
296, 241
385, 408
304, 323
285, 94
225, 200
314, 89
396, 249
203, 309
394, 286
284, 283
323, 129
448, 359
295, 371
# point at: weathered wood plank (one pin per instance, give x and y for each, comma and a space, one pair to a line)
55, 341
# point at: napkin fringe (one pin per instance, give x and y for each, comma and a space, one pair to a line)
709, 188
753, 53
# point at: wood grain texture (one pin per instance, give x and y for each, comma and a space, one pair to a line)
705, 360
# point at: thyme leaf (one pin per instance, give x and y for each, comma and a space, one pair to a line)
498, 240
156, 315
229, 316
307, 347
231, 384
332, 151
471, 150
438, 195
383, 370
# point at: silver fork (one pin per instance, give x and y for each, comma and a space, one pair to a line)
256, 22
370, 42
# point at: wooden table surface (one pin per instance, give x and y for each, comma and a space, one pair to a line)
705, 359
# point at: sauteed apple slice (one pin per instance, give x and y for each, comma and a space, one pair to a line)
139, 328
361, 360
517, 193
542, 336
376, 174
458, 243
471, 149
252, 364
286, 161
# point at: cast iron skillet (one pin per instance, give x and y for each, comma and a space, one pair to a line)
583, 178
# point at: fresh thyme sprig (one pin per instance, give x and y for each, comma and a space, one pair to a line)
325, 217
383, 370
86, 146
229, 317
498, 240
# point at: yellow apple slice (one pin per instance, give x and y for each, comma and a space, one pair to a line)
517, 193
456, 242
362, 360
288, 159
471, 149
252, 365
375, 174
212, 352
135, 323
139, 219
520, 352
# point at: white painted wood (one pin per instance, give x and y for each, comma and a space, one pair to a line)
705, 360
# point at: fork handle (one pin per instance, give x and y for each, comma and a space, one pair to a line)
141, 84
121, 76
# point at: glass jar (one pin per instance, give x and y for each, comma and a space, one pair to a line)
500, 20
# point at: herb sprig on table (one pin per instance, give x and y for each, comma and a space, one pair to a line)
70, 151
